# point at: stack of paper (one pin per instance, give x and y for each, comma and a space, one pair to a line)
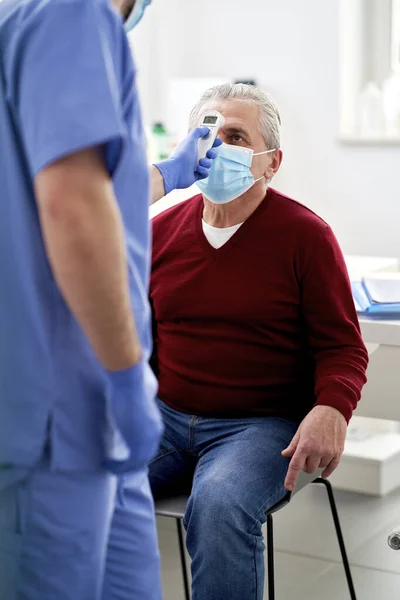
383, 288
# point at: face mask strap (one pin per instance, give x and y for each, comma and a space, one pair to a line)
258, 154
265, 152
259, 179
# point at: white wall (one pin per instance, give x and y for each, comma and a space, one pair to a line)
291, 48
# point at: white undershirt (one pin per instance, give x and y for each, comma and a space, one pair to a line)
218, 236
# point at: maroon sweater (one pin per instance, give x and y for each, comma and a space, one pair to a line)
265, 325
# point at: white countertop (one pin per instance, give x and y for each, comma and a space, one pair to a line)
380, 332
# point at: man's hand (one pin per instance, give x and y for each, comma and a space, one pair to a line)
180, 172
318, 443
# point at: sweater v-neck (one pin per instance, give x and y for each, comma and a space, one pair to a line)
218, 253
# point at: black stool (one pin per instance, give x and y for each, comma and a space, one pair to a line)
175, 508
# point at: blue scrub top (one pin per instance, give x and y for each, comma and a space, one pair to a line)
67, 82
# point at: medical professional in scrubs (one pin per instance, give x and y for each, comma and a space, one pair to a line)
77, 408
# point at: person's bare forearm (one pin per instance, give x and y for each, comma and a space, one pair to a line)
84, 237
157, 185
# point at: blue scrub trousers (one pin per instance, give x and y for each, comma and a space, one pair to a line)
76, 536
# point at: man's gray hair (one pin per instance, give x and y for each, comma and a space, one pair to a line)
270, 120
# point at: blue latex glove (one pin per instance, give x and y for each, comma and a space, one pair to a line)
180, 172
134, 422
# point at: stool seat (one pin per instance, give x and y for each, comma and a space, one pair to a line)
172, 507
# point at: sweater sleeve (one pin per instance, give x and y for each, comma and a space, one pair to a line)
340, 356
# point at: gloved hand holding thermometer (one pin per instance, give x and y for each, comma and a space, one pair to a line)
193, 157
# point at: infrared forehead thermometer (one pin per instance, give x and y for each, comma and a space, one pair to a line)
214, 121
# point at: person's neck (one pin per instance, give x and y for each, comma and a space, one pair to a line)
122, 6
235, 212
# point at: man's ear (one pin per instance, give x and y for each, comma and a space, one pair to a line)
273, 166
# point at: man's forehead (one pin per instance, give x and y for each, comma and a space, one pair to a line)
237, 114
233, 109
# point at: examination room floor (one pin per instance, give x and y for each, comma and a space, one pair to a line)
308, 565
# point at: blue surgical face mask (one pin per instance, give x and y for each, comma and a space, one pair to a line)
230, 174
136, 14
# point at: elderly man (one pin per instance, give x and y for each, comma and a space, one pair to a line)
258, 350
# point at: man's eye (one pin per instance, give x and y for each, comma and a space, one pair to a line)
237, 138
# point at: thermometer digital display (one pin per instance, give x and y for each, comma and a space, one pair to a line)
214, 121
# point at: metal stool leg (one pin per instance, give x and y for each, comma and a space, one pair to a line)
270, 553
183, 559
339, 534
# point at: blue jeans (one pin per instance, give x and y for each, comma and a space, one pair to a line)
235, 472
